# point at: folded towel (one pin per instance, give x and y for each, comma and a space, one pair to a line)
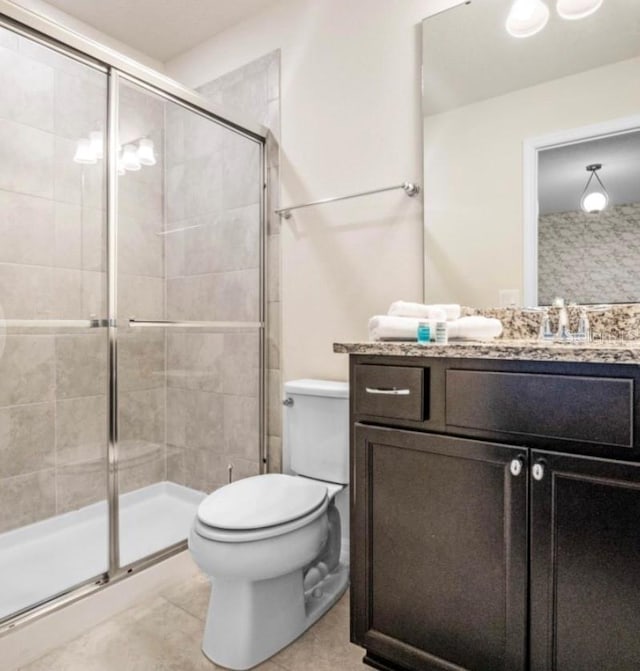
474, 328
404, 309
388, 327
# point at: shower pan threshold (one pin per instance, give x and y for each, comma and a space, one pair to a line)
42, 560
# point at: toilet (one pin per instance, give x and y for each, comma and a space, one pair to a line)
275, 546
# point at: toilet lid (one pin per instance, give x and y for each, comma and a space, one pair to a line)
261, 501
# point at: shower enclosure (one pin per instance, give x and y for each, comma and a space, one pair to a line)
131, 313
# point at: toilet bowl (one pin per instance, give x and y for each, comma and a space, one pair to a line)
269, 583
271, 544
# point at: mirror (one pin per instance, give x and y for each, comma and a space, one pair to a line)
509, 126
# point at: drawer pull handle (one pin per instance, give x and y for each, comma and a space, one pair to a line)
388, 391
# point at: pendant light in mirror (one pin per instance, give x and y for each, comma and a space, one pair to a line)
527, 17
577, 9
594, 198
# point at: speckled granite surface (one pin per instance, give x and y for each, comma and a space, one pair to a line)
618, 322
627, 352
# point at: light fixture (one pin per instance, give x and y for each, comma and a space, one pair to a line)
526, 18
85, 154
130, 160
146, 154
97, 143
594, 200
577, 9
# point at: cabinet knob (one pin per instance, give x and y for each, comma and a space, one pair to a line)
538, 471
516, 466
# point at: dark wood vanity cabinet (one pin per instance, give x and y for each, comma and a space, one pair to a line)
490, 554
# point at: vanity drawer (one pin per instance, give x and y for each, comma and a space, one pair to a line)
396, 392
577, 408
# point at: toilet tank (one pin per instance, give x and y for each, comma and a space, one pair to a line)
317, 429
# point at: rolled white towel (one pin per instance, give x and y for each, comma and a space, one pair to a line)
388, 327
405, 309
474, 328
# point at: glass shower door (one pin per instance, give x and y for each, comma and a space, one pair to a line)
189, 281
53, 342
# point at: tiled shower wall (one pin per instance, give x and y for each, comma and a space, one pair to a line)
213, 260
52, 381
140, 280
188, 400
253, 91
589, 258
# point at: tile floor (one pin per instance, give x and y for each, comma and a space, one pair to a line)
164, 634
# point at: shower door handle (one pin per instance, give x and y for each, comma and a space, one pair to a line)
93, 323
194, 324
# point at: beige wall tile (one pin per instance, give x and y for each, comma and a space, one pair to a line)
27, 90
222, 242
273, 335
204, 417
27, 439
205, 470
81, 429
30, 168
237, 296
141, 297
94, 294
194, 298
274, 403
67, 249
141, 464
140, 248
19, 506
94, 232
195, 360
27, 370
241, 364
65, 293
241, 427
141, 359
141, 416
25, 291
274, 446
80, 104
175, 464
26, 229
241, 172
273, 268
81, 365
80, 484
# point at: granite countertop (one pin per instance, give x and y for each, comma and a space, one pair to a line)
618, 351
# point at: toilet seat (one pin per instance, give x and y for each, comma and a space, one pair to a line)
260, 507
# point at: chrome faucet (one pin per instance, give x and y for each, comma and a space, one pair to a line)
563, 320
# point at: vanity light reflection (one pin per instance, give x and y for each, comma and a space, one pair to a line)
131, 157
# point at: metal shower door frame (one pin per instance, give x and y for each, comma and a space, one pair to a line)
118, 69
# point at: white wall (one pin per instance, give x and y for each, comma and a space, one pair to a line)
351, 121
57, 15
473, 154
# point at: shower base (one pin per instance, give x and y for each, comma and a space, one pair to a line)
44, 559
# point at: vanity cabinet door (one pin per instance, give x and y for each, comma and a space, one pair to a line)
439, 551
585, 564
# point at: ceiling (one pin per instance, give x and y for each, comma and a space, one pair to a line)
468, 56
161, 29
562, 173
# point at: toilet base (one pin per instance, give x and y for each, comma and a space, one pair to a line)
248, 622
